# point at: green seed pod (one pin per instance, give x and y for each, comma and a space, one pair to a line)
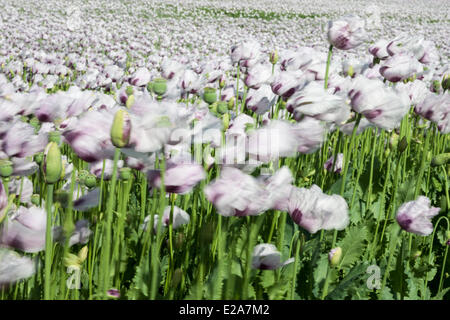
443, 203
52, 163
129, 91
159, 86
90, 181
210, 95
335, 256
6, 168
34, 122
54, 136
222, 107
125, 174
213, 108
273, 57
150, 87
440, 159
402, 145
82, 174
121, 129
35, 199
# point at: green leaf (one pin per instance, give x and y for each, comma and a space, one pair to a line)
341, 290
352, 245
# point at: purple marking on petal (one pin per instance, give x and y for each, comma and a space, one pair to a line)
296, 215
404, 221
372, 114
289, 93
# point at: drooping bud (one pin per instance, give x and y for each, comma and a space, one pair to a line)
210, 95
440, 159
35, 200
121, 129
226, 121
335, 256
231, 103
6, 168
222, 82
159, 86
52, 163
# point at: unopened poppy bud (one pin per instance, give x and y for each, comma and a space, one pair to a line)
350, 71
440, 159
446, 82
35, 199
417, 254
129, 91
82, 174
210, 95
6, 168
159, 86
393, 141
402, 145
273, 57
125, 173
177, 276
436, 86
82, 254
222, 107
335, 256
222, 83
90, 181
226, 121
121, 129
130, 102
52, 163
54, 136
231, 103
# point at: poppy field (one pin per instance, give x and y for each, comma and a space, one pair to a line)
214, 150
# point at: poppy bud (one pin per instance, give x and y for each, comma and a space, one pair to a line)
402, 145
393, 141
231, 103
446, 82
121, 128
417, 254
159, 86
82, 254
177, 276
440, 159
222, 83
335, 256
226, 121
273, 57
52, 163
130, 101
436, 86
210, 95
6, 168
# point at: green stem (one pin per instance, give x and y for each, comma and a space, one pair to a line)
48, 243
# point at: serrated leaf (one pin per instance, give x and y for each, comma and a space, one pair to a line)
267, 278
341, 290
352, 245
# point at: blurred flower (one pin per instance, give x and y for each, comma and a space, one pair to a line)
415, 216
140, 78
347, 32
258, 75
381, 105
244, 51
180, 217
313, 210
379, 50
436, 108
14, 267
315, 102
400, 67
260, 101
338, 165
266, 257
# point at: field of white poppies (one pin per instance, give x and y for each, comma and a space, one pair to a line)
270, 150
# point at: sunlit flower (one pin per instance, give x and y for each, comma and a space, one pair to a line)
415, 216
266, 257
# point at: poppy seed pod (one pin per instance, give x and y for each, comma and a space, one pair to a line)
130, 101
52, 163
159, 86
335, 256
222, 107
273, 57
125, 173
6, 168
121, 129
210, 95
90, 181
